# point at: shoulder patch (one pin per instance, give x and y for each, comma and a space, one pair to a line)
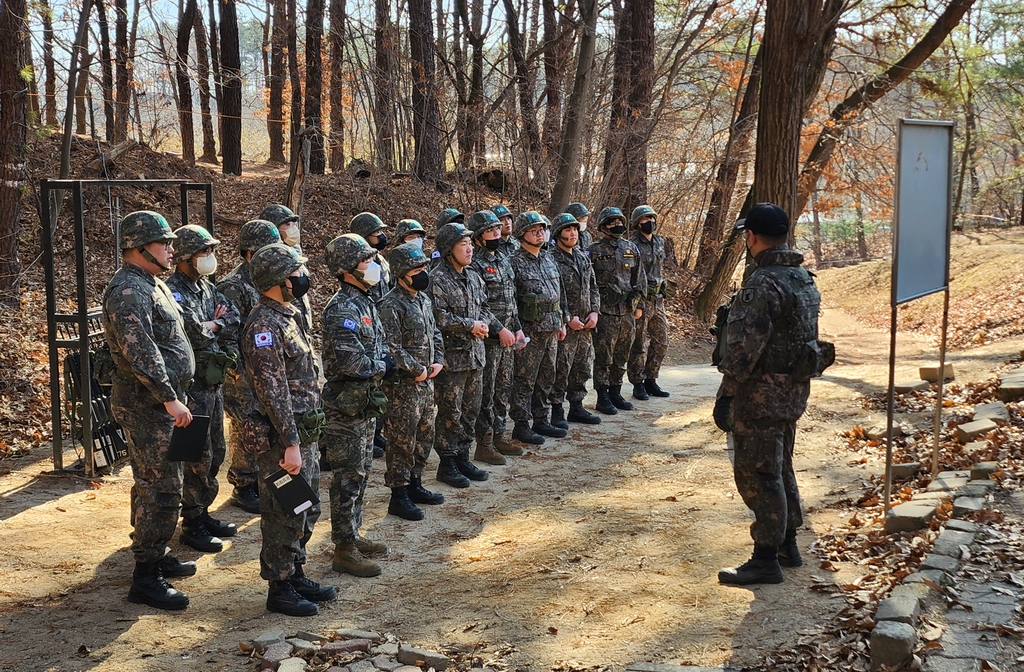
264, 339
177, 296
350, 324
367, 319
746, 295
435, 255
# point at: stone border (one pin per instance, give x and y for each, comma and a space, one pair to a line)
365, 651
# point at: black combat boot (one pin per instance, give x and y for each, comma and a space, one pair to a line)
468, 469
246, 498
544, 428
216, 527
150, 587
380, 444
604, 402
522, 432
420, 495
448, 473
558, 417
640, 392
195, 534
579, 414
615, 396
310, 589
401, 505
763, 567
789, 551
171, 567
651, 385
325, 464
282, 598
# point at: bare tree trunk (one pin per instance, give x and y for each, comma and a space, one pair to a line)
275, 115
426, 115
121, 74
165, 57
188, 137
203, 58
314, 85
815, 229
81, 86
337, 47
14, 35
231, 104
107, 69
862, 243
527, 109
46, 14
218, 75
385, 46
475, 100
293, 70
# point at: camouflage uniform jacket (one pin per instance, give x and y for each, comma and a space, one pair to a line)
237, 287
386, 284
581, 295
145, 331
539, 276
279, 365
652, 256
585, 241
507, 247
770, 318
459, 300
496, 270
620, 275
198, 300
410, 331
353, 337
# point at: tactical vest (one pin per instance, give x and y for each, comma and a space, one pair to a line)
793, 346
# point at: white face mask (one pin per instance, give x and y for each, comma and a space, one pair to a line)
290, 235
417, 241
547, 235
371, 276
206, 265
583, 227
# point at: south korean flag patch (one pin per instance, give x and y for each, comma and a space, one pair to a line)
435, 255
177, 296
264, 339
350, 324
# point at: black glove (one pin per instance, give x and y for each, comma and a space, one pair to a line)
721, 413
390, 364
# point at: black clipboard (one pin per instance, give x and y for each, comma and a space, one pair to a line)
293, 492
188, 443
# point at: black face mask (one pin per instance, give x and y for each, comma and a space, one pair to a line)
420, 281
300, 285
492, 244
647, 227
382, 241
617, 230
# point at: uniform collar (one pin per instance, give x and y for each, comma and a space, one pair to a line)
285, 309
140, 272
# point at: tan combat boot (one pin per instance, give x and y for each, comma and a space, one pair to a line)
369, 547
347, 559
506, 447
485, 451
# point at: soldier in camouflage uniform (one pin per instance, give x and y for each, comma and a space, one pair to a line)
154, 365
237, 287
446, 216
508, 243
582, 215
287, 424
542, 313
459, 298
287, 223
355, 361
496, 270
645, 361
770, 351
575, 358
410, 231
416, 344
622, 282
211, 324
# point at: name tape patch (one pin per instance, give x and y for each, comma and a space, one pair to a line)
264, 339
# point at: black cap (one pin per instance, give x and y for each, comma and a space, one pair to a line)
765, 219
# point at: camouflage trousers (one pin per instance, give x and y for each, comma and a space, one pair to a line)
285, 534
574, 361
763, 469
200, 486
242, 466
645, 360
156, 492
457, 395
612, 341
496, 386
348, 445
534, 376
409, 424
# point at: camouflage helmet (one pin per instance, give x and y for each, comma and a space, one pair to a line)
278, 214
577, 210
561, 222
272, 264
256, 233
500, 211
406, 257
609, 215
641, 211
192, 239
407, 226
144, 227
448, 216
526, 220
346, 252
448, 235
483, 220
365, 224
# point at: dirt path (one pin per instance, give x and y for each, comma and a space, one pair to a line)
601, 548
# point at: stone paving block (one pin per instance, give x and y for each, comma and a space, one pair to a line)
302, 646
936, 498
936, 663
984, 470
963, 526
957, 644
917, 591
413, 656
362, 666
352, 633
931, 373
274, 654
408, 668
967, 506
904, 386
892, 644
346, 646
385, 663
310, 636
950, 541
881, 432
941, 562
996, 412
337, 668
948, 480
972, 490
1011, 385
292, 665
936, 576
905, 471
970, 431
988, 595
268, 638
984, 483
900, 609
908, 517
386, 648
975, 446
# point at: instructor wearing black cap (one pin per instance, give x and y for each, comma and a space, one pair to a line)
769, 352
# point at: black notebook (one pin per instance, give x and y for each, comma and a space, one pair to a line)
188, 443
293, 492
